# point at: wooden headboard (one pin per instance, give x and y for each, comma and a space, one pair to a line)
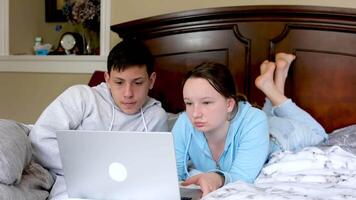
322, 79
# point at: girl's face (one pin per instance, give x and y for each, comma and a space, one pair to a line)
207, 109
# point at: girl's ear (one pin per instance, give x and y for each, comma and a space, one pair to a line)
230, 103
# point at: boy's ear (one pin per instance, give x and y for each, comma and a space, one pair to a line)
152, 79
107, 77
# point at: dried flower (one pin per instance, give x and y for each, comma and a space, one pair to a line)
84, 12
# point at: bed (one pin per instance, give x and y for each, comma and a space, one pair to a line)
322, 81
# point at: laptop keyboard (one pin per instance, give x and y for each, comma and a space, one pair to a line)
187, 193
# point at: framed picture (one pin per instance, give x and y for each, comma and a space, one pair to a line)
54, 11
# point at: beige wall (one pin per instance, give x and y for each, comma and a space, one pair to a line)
27, 20
24, 33
25, 95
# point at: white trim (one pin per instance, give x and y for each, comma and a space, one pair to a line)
54, 64
4, 27
105, 21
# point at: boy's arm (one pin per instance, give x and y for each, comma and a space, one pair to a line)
65, 113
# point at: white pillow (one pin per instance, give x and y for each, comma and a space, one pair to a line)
345, 138
172, 117
15, 151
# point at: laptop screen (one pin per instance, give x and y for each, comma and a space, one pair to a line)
119, 164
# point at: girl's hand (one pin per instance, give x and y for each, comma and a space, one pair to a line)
208, 182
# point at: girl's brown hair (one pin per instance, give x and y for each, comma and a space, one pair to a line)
219, 77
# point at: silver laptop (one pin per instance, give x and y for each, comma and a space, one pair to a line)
120, 165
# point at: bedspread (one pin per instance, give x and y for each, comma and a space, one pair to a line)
312, 173
34, 185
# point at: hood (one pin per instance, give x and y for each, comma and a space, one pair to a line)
236, 122
105, 93
103, 90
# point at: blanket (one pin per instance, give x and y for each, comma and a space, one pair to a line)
312, 173
20, 176
34, 184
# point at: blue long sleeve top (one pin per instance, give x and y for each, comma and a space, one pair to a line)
245, 152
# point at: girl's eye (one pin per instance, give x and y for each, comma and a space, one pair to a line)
206, 102
187, 103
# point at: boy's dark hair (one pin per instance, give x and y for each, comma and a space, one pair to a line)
128, 53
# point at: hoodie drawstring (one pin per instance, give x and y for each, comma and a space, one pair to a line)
185, 157
112, 119
143, 120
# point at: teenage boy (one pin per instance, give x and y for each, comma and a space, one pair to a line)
121, 103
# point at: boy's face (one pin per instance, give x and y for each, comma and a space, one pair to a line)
129, 88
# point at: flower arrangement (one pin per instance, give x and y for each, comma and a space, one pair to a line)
85, 15
83, 12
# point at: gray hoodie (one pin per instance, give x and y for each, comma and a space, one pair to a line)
81, 107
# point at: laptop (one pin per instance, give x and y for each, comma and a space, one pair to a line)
121, 165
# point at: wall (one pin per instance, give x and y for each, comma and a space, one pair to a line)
27, 20
26, 25
25, 95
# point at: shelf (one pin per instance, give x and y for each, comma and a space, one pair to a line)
52, 64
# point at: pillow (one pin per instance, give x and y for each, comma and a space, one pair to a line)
345, 138
15, 151
172, 117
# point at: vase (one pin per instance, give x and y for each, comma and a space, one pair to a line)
91, 42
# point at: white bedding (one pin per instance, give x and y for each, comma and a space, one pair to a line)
21, 178
312, 173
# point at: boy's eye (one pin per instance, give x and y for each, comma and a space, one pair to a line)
119, 82
139, 82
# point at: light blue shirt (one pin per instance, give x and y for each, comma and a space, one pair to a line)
245, 152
